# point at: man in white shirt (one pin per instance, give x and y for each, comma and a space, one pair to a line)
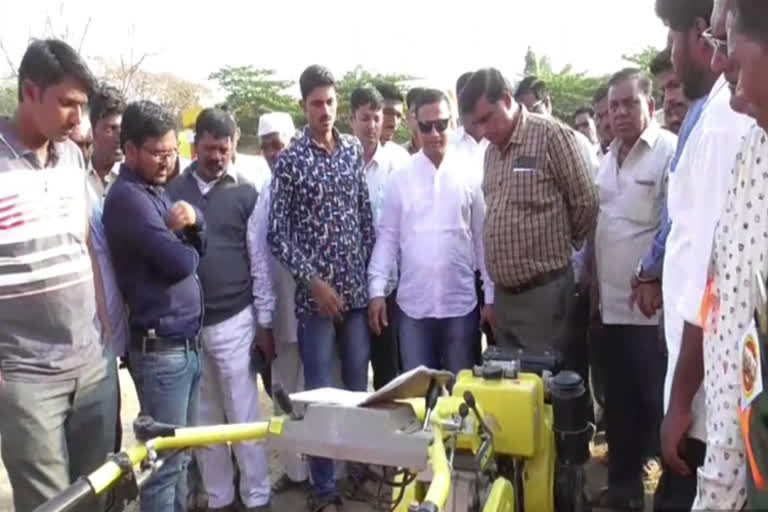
105, 111
274, 292
433, 215
631, 181
379, 162
392, 117
698, 188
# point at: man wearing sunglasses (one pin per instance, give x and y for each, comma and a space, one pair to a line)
432, 215
699, 180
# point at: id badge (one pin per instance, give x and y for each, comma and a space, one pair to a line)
751, 367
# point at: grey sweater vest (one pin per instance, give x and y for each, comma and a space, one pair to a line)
225, 270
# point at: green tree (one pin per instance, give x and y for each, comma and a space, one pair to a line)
359, 77
531, 63
8, 100
252, 92
568, 89
643, 58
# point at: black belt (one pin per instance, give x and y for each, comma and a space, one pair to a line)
147, 344
537, 281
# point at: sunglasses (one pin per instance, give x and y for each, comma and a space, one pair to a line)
440, 125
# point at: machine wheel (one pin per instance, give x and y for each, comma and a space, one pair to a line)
570, 495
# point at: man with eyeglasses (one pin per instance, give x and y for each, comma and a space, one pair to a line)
541, 203
432, 215
698, 191
156, 248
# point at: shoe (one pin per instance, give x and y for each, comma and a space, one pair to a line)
285, 484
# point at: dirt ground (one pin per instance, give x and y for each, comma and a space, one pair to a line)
294, 501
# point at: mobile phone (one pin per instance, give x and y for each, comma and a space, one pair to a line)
761, 304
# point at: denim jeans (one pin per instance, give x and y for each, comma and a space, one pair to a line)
320, 340
439, 343
54, 431
167, 385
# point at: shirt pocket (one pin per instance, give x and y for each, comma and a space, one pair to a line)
642, 199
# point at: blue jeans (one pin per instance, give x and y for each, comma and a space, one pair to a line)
439, 343
167, 385
320, 340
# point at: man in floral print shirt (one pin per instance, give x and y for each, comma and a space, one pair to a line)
321, 228
740, 267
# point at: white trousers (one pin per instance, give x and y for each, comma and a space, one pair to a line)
288, 371
229, 393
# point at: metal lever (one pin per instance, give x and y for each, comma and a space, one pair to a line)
284, 401
469, 398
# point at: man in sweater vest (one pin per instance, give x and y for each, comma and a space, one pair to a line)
228, 390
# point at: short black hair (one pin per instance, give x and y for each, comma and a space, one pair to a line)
643, 80
106, 101
144, 120
488, 83
48, 62
313, 77
430, 97
600, 94
662, 62
752, 19
462, 81
681, 15
532, 85
413, 94
586, 109
363, 96
216, 122
390, 92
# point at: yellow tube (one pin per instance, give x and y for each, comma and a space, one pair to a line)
440, 487
105, 477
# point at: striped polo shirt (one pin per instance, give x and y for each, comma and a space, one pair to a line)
47, 301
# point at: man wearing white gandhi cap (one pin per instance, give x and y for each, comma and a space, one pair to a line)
276, 130
274, 294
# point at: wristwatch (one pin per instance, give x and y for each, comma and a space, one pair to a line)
639, 274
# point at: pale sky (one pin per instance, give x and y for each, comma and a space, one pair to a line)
435, 40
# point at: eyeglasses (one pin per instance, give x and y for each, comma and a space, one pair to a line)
160, 156
718, 44
440, 125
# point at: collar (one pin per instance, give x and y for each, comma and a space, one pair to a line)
306, 140
230, 173
9, 138
649, 136
129, 175
378, 156
516, 137
113, 173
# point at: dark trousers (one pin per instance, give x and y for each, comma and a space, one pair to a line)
633, 360
676, 492
385, 349
576, 349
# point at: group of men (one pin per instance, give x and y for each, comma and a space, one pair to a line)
639, 231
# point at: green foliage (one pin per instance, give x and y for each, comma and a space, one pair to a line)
643, 58
359, 77
252, 92
569, 89
8, 100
